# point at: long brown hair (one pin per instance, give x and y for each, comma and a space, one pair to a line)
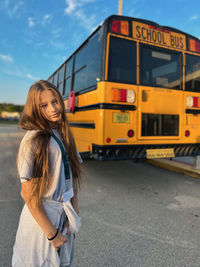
32, 119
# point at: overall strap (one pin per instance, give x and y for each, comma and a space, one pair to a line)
64, 156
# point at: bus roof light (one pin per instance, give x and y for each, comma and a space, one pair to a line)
152, 27
124, 27
197, 46
123, 95
192, 45
115, 26
167, 31
159, 29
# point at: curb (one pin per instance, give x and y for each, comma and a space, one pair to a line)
175, 166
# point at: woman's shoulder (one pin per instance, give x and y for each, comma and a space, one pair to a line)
29, 136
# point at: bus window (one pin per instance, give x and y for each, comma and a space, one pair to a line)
55, 78
94, 59
192, 75
80, 74
60, 79
160, 125
87, 69
68, 76
51, 79
160, 68
122, 61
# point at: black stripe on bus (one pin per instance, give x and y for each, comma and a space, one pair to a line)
192, 111
82, 125
106, 106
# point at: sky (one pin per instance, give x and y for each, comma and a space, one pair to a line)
37, 36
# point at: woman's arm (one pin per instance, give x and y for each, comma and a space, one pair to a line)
74, 201
40, 215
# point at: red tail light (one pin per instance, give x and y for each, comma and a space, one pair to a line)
123, 94
195, 102
130, 133
187, 133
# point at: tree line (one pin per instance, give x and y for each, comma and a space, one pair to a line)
9, 107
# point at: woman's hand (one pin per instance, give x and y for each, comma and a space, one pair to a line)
58, 241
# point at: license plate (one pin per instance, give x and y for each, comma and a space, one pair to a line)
121, 117
160, 153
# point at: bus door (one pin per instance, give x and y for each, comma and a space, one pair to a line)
159, 114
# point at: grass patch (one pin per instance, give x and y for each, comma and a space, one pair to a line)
9, 122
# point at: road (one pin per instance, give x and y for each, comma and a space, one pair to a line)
133, 214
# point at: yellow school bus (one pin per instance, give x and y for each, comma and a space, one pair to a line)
132, 90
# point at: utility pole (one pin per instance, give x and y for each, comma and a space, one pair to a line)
120, 7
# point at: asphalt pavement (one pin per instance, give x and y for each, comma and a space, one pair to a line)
133, 214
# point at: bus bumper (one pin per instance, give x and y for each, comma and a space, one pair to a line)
129, 152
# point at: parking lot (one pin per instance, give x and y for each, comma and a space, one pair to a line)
133, 214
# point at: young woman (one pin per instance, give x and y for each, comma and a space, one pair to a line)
49, 169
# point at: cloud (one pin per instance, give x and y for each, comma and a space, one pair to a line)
58, 44
31, 77
46, 19
55, 39
17, 71
13, 8
76, 8
31, 22
73, 5
194, 17
6, 3
6, 58
56, 33
86, 21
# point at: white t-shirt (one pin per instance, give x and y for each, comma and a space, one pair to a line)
59, 185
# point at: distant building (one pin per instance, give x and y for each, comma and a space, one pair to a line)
5, 115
